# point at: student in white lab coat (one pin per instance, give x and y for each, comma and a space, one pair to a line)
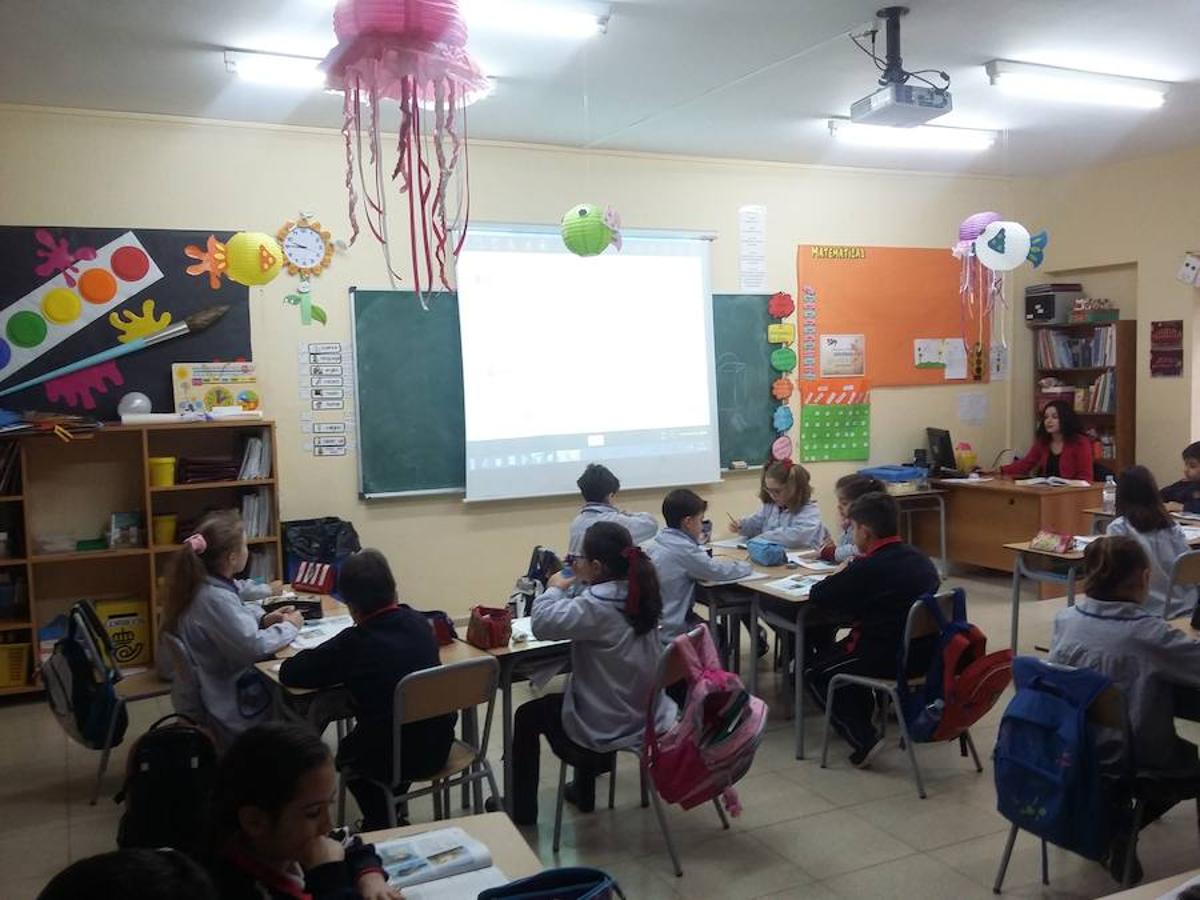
1110, 630
222, 632
788, 515
1142, 516
613, 629
599, 487
680, 561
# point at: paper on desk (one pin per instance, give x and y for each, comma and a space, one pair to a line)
1174, 892
796, 585
818, 565
979, 480
733, 543
314, 634
1191, 532
753, 576
799, 556
468, 884
1082, 540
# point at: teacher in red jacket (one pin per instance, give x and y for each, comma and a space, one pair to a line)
1060, 448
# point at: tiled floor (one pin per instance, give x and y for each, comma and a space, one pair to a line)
806, 832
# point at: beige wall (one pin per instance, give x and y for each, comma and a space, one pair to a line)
1142, 213
104, 170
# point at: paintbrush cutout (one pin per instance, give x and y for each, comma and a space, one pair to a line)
194, 323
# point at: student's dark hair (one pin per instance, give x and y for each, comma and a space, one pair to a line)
794, 477
597, 482
262, 768
853, 486
681, 503
133, 874
222, 534
1192, 451
1068, 421
1139, 502
878, 512
366, 582
610, 545
1112, 566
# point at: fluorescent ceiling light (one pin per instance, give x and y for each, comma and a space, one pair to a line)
923, 137
536, 18
275, 68
1075, 85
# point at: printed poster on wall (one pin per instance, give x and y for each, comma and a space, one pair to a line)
835, 421
1166, 349
843, 355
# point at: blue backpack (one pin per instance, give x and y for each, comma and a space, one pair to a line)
1048, 776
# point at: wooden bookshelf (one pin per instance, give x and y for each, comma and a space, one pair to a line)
1121, 421
70, 489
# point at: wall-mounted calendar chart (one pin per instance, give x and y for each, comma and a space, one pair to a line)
835, 420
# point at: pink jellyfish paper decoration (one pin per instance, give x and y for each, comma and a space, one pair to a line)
413, 52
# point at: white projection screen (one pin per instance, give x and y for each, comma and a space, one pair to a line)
568, 361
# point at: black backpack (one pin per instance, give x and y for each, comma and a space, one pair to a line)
80, 676
169, 779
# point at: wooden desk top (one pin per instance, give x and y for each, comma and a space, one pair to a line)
1023, 547
516, 648
1009, 486
1156, 889
761, 586
510, 852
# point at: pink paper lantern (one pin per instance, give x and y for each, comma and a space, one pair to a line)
413, 52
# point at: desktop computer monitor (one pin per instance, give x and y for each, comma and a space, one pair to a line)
941, 449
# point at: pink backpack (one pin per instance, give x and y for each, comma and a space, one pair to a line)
713, 744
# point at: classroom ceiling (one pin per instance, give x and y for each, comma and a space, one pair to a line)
751, 79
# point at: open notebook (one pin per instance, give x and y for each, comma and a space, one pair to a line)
439, 865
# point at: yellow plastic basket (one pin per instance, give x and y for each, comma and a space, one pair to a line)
14, 664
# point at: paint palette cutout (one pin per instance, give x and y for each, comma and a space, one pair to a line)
56, 310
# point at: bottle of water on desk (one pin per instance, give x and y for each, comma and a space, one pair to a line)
1110, 495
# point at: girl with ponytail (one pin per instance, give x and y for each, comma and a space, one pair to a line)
224, 633
788, 514
613, 629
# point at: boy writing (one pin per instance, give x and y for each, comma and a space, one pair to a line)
386, 642
681, 561
872, 595
1184, 495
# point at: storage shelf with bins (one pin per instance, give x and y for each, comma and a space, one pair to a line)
70, 490
1117, 423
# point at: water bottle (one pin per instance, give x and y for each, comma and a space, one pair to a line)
1110, 495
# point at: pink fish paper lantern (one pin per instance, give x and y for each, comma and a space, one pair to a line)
415, 53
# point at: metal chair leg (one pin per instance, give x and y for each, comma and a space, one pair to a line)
666, 830
645, 791
1008, 849
107, 751
1045, 864
834, 684
340, 727
974, 753
437, 803
1139, 811
908, 745
612, 783
558, 803
721, 813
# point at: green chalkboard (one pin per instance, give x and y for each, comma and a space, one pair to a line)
744, 377
410, 393
410, 389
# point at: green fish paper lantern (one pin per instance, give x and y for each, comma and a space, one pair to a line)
587, 230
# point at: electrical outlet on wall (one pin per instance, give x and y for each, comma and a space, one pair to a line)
1189, 272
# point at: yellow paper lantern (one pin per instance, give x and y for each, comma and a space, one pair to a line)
252, 258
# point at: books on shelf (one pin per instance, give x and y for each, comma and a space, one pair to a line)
202, 469
256, 457
1099, 397
260, 568
1061, 350
256, 513
447, 863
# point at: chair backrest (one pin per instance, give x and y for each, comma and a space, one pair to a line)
921, 623
186, 697
1186, 570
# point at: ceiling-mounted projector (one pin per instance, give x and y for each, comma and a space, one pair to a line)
898, 103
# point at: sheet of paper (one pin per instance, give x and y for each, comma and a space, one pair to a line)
843, 355
733, 543
820, 565
752, 248
956, 359
468, 884
796, 585
753, 576
929, 353
998, 362
973, 407
314, 634
801, 556
1191, 532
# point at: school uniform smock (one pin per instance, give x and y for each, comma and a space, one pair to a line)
641, 526
1145, 657
1075, 460
799, 530
1163, 547
1185, 492
612, 667
680, 562
221, 632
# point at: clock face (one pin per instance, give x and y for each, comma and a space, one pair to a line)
304, 247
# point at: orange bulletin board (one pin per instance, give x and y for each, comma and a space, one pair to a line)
893, 296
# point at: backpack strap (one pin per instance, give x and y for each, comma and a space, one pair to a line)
697, 658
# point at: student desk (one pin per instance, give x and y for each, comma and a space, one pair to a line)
1044, 567
932, 500
510, 853
1101, 518
983, 516
1156, 889
516, 661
